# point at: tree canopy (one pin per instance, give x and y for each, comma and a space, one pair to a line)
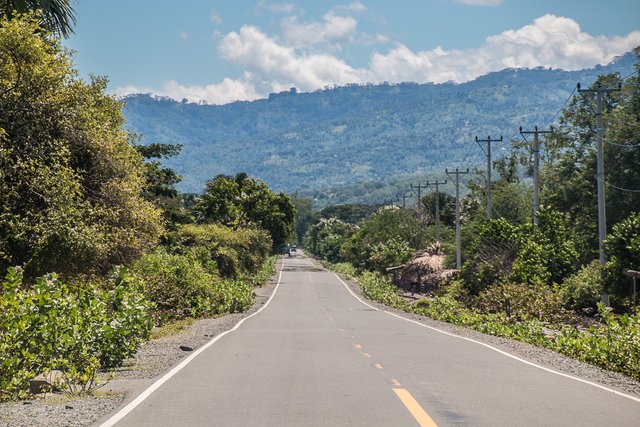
70, 181
241, 200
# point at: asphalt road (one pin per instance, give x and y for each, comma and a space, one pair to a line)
318, 356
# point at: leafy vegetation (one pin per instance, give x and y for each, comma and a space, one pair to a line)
70, 187
74, 329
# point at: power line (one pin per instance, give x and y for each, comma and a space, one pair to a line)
628, 190
625, 145
563, 105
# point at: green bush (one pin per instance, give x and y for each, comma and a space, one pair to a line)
623, 253
178, 285
344, 268
522, 302
223, 251
581, 291
73, 329
391, 253
614, 346
377, 288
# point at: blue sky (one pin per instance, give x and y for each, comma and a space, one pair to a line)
226, 50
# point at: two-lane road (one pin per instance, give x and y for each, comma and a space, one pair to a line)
318, 356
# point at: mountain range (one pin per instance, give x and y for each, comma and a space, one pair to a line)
356, 135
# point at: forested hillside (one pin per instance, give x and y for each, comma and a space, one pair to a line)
348, 135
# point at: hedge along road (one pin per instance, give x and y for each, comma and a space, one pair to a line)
316, 355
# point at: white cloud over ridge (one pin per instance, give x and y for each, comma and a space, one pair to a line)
306, 56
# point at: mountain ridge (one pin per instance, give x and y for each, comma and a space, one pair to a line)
309, 141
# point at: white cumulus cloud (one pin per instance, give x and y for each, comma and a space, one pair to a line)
550, 41
334, 29
306, 55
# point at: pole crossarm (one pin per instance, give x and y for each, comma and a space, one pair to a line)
437, 219
457, 174
487, 152
536, 166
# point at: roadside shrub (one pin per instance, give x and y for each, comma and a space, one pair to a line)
581, 291
344, 268
73, 329
223, 251
390, 253
623, 251
237, 296
614, 346
519, 302
377, 288
178, 285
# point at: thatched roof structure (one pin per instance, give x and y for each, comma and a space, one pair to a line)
424, 266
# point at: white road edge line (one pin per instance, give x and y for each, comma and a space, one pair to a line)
504, 353
153, 387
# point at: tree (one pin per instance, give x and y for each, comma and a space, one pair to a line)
569, 183
305, 216
70, 182
241, 201
56, 15
161, 183
623, 251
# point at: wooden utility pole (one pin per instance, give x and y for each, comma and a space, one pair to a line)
457, 174
437, 183
602, 220
419, 188
488, 154
404, 196
536, 167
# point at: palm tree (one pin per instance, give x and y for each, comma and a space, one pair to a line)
57, 15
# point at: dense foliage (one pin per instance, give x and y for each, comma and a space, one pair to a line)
74, 329
70, 182
241, 201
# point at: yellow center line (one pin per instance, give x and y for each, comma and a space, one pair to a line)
378, 366
358, 346
421, 416
366, 355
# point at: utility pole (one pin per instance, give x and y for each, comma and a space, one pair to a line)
437, 183
536, 167
404, 196
488, 153
602, 221
419, 188
457, 173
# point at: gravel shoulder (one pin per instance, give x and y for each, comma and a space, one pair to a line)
153, 359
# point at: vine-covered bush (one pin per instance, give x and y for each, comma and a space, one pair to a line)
623, 253
223, 251
76, 330
178, 285
581, 291
530, 254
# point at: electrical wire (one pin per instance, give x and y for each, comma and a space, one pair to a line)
627, 190
625, 145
